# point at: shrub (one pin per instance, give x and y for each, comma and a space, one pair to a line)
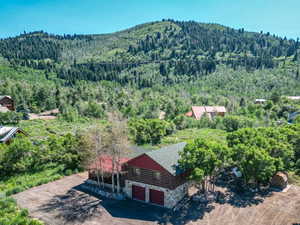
150, 130
10, 118
233, 123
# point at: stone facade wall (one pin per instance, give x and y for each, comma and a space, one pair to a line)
172, 197
91, 186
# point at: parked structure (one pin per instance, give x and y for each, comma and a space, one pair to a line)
153, 177
211, 111
8, 133
7, 102
260, 101
279, 180
3, 109
162, 115
294, 98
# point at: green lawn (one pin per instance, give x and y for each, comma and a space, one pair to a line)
22, 182
44, 128
190, 134
10, 213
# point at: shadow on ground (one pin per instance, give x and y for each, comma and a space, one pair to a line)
233, 192
80, 206
73, 206
139, 211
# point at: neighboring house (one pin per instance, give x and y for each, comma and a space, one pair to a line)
8, 133
260, 101
294, 98
153, 177
8, 102
211, 111
3, 109
162, 115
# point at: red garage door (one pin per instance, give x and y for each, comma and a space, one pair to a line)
157, 197
138, 193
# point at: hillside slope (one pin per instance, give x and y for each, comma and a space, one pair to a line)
165, 52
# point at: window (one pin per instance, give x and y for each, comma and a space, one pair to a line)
157, 175
137, 171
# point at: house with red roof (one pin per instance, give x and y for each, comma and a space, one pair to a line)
104, 166
198, 112
7, 102
152, 177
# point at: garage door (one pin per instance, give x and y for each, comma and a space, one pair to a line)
138, 193
157, 197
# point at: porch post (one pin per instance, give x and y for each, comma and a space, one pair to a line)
147, 194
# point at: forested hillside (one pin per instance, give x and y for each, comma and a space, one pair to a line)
164, 52
160, 66
153, 69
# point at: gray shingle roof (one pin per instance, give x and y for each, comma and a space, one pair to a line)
3, 96
135, 151
168, 157
7, 132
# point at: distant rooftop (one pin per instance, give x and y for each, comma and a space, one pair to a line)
7, 132
293, 97
3, 96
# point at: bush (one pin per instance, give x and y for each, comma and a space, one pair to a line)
11, 214
10, 118
68, 172
69, 114
233, 123
185, 122
22, 156
150, 130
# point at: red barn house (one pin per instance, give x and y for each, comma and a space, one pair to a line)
150, 176
155, 177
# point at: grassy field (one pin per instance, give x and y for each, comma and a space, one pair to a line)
44, 128
190, 134
24, 73
10, 213
22, 182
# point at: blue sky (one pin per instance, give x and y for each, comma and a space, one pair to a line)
281, 17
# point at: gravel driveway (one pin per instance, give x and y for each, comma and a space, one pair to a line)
61, 202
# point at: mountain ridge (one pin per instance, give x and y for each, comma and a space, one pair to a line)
163, 52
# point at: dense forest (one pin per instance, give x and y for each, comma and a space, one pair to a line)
164, 53
141, 73
130, 70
